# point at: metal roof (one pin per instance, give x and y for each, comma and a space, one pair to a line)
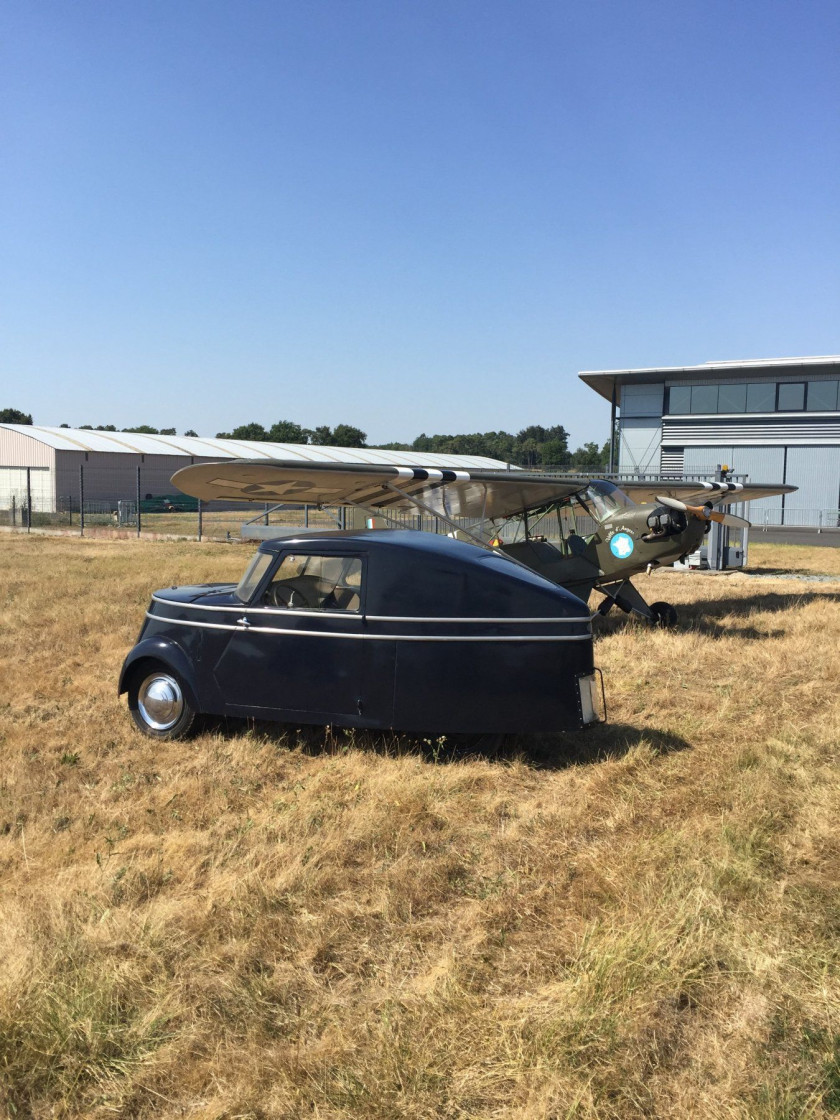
200, 447
606, 381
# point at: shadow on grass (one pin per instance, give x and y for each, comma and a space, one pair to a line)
559, 751
713, 616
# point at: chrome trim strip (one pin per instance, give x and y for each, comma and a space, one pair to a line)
375, 637
485, 621
313, 611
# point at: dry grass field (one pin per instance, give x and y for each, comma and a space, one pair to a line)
641, 921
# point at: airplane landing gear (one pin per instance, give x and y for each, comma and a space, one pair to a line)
664, 614
624, 595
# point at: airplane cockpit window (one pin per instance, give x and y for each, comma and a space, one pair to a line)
601, 500
307, 581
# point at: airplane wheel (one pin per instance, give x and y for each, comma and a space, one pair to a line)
663, 614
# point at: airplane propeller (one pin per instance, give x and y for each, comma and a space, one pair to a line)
706, 513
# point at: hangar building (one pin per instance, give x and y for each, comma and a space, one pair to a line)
54, 464
773, 420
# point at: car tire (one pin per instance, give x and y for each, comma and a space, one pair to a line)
159, 704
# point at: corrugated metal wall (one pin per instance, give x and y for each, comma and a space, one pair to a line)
20, 450
762, 464
112, 477
816, 471
706, 460
13, 488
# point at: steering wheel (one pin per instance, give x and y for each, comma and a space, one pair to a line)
286, 595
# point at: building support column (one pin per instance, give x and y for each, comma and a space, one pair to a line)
613, 464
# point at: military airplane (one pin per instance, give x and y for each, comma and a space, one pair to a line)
585, 534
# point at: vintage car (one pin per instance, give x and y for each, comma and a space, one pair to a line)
374, 628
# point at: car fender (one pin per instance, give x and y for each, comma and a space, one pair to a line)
167, 652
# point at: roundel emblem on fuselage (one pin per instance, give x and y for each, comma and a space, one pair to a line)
622, 545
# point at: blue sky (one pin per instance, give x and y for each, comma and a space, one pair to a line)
407, 216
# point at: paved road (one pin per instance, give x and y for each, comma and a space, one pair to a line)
828, 538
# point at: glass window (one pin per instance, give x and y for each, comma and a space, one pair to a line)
260, 563
732, 398
704, 398
791, 396
822, 396
601, 499
311, 582
761, 398
679, 398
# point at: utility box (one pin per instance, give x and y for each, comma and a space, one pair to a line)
733, 557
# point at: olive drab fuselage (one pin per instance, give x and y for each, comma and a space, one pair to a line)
627, 540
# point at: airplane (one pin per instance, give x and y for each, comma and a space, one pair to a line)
594, 536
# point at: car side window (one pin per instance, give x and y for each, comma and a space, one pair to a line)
309, 581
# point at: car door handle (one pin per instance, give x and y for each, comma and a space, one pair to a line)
243, 622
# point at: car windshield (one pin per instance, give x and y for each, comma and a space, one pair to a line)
253, 575
601, 500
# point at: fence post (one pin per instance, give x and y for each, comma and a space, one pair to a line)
819, 526
306, 517
29, 499
14, 512
265, 514
81, 499
199, 519
138, 501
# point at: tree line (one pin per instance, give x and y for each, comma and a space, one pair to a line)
534, 446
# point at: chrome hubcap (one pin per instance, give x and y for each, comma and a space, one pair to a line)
160, 701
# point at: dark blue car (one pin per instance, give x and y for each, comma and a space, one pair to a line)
375, 628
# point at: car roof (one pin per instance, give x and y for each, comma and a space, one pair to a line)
420, 547
338, 540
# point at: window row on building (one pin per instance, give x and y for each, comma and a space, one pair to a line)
754, 396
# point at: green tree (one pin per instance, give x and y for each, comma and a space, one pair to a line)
168, 432
14, 416
526, 451
286, 431
252, 431
554, 453
590, 455
321, 436
499, 445
190, 432
345, 435
143, 429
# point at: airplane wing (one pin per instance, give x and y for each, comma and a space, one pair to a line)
692, 493
476, 494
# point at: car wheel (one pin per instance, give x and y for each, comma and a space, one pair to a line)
159, 705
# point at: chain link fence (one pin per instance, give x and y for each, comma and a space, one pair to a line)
778, 517
141, 501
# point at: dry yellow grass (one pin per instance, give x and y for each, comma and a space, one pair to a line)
640, 921
786, 558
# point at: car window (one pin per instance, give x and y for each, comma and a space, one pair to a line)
254, 573
309, 581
